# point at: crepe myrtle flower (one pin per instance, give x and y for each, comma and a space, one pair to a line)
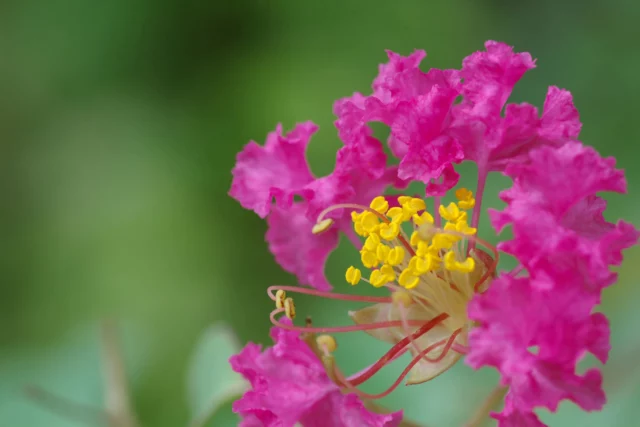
442, 298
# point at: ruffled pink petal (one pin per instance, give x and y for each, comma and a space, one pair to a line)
296, 248
558, 224
289, 385
385, 85
558, 178
511, 417
347, 411
535, 338
276, 170
560, 118
489, 77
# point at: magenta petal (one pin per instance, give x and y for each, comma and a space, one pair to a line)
297, 249
289, 385
276, 170
489, 77
535, 337
560, 118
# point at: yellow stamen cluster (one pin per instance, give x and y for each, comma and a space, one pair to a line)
394, 257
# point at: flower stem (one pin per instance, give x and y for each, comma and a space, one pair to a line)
489, 404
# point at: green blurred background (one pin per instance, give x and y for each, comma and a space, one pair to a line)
119, 125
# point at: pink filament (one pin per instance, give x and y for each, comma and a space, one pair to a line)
338, 329
350, 386
400, 346
271, 290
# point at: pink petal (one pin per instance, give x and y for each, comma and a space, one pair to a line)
277, 170
289, 385
560, 119
297, 249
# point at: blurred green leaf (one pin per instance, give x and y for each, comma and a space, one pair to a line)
211, 381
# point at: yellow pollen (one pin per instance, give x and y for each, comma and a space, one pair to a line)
369, 221
382, 252
414, 205
289, 308
327, 343
450, 263
424, 218
395, 256
368, 258
399, 214
450, 213
372, 242
379, 204
465, 197
389, 231
408, 279
382, 276
322, 226
280, 297
353, 275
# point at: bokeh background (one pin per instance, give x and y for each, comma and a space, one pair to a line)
119, 125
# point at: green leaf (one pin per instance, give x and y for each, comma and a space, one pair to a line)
211, 381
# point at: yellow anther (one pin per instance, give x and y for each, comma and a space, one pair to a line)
424, 218
280, 297
388, 272
450, 263
402, 297
442, 241
389, 231
377, 279
355, 216
353, 275
395, 256
322, 226
382, 252
372, 242
420, 265
414, 204
450, 212
369, 221
396, 214
423, 249
408, 279
427, 231
379, 204
465, 197
382, 276
360, 231
415, 238
404, 199
463, 227
327, 343
289, 308
450, 226
368, 258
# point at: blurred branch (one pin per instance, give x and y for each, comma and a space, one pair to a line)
66, 408
117, 399
489, 404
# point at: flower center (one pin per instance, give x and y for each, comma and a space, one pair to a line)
432, 271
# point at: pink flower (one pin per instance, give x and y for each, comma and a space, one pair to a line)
289, 385
445, 299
